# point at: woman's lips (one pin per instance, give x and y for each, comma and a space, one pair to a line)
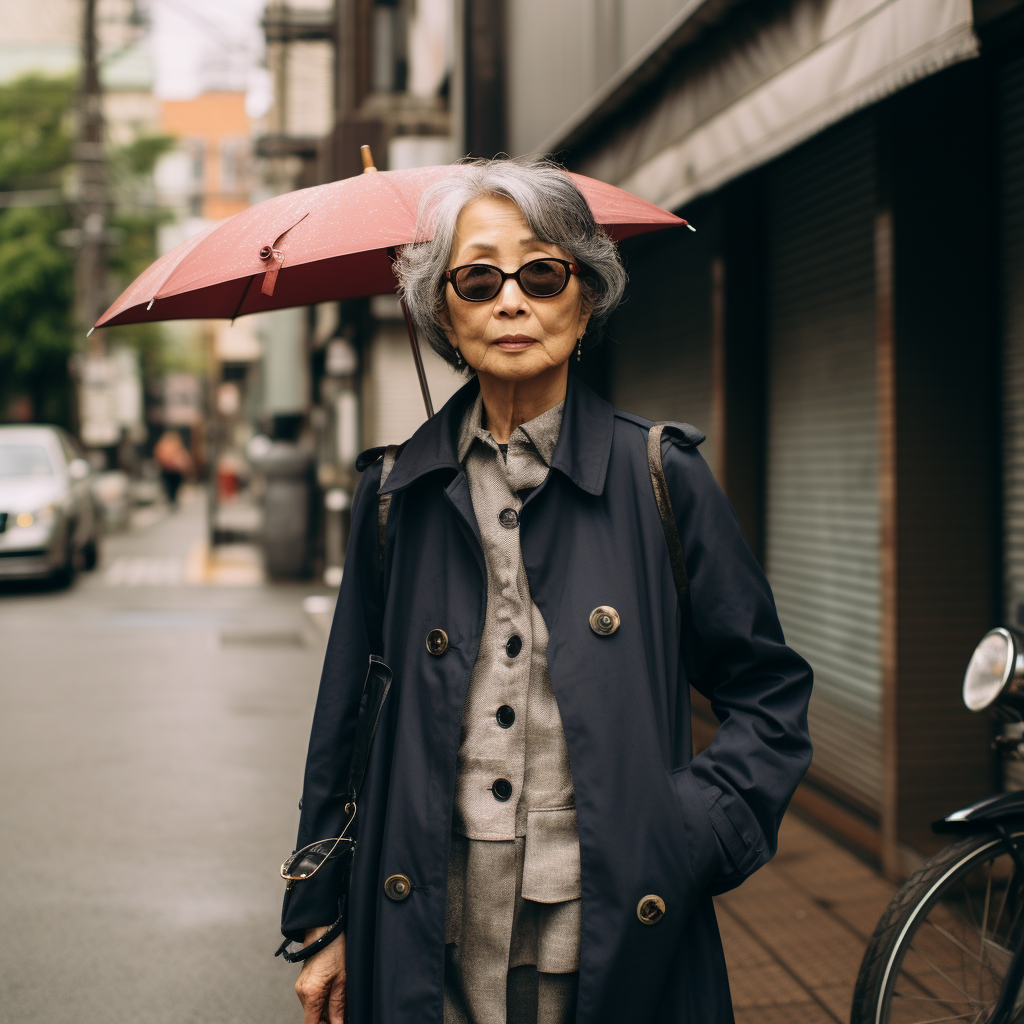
515, 342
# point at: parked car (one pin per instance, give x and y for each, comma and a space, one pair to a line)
49, 521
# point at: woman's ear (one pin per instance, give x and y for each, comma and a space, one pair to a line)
441, 309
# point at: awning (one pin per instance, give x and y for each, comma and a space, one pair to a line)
830, 59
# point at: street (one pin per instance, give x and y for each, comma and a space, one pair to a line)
152, 737
154, 722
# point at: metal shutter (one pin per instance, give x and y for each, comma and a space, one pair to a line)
1011, 131
660, 339
822, 503
1012, 171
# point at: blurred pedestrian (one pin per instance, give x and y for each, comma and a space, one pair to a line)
174, 461
536, 843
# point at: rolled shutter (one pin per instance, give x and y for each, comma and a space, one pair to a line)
822, 525
1012, 171
1011, 132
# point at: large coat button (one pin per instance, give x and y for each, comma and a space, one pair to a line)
437, 642
502, 789
604, 620
397, 887
509, 518
651, 909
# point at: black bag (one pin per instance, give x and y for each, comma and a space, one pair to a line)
371, 704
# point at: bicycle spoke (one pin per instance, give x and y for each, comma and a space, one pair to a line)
1002, 902
952, 938
942, 974
984, 925
931, 999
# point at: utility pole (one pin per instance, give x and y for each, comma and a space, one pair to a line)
92, 372
93, 200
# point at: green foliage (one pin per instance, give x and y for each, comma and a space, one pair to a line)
36, 272
35, 137
37, 334
140, 157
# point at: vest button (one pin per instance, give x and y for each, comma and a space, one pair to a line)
505, 716
650, 910
437, 642
604, 620
502, 789
513, 646
509, 518
397, 887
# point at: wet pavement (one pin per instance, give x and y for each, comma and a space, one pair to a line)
153, 724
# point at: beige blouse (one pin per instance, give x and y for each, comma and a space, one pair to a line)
514, 872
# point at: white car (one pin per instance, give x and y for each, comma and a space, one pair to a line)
49, 524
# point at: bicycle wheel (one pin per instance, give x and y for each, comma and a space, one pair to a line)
944, 944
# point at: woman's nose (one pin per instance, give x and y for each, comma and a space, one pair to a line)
510, 300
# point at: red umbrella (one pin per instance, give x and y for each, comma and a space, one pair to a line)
319, 244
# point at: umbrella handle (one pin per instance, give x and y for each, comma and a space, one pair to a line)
418, 359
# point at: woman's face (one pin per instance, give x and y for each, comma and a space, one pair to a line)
512, 336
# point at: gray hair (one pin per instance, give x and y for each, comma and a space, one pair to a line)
557, 213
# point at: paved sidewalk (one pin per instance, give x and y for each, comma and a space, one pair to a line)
795, 932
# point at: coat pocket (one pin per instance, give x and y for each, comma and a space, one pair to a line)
551, 859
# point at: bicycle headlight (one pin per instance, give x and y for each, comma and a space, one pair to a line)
995, 671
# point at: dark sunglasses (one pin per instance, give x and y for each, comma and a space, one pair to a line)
541, 279
305, 863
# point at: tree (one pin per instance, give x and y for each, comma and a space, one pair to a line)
36, 272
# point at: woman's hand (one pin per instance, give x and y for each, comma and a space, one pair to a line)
321, 983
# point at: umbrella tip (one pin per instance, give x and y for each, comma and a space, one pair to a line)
150, 306
689, 225
364, 152
88, 333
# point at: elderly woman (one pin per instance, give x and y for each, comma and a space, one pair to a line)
536, 842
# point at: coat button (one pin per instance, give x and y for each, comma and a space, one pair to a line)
604, 620
513, 646
650, 910
505, 716
509, 518
437, 642
502, 789
397, 887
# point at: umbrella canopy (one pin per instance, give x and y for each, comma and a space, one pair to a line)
320, 244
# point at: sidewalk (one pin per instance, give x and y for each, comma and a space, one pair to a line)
795, 932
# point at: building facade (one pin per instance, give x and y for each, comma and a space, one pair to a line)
846, 326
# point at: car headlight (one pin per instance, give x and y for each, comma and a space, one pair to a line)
41, 517
995, 671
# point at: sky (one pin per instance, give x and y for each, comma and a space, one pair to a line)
199, 44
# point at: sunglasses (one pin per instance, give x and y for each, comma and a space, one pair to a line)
305, 863
541, 279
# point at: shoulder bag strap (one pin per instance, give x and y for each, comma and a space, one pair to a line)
668, 519
371, 704
384, 502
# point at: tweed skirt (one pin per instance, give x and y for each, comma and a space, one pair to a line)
508, 959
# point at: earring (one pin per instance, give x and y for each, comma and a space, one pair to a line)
458, 360
579, 348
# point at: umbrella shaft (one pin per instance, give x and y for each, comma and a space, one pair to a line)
418, 358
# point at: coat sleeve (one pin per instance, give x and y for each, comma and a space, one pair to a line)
356, 633
735, 654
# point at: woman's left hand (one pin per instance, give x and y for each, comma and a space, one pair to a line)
321, 983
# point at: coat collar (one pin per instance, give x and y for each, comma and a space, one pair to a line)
582, 452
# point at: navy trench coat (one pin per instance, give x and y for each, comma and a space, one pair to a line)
653, 820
